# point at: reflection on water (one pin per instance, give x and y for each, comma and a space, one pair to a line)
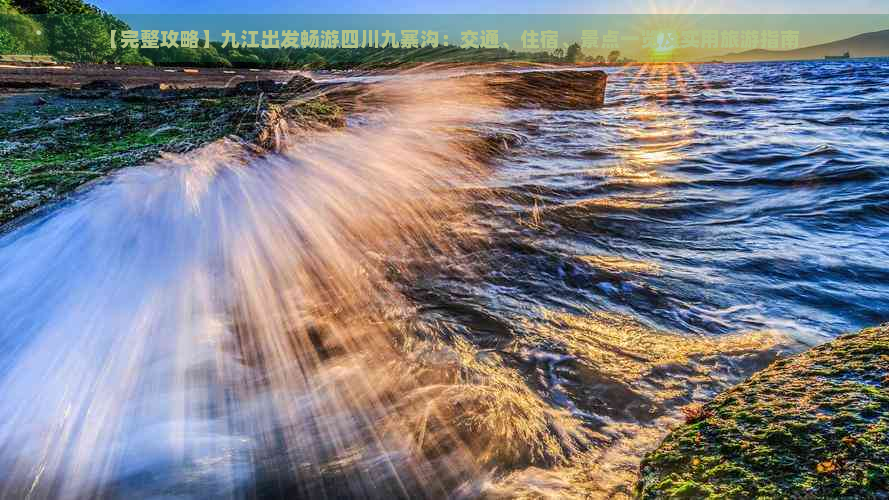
617, 264
647, 254
374, 314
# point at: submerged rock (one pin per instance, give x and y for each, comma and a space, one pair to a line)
815, 425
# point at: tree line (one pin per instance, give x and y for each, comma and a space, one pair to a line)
75, 31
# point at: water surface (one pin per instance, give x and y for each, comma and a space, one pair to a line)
382, 312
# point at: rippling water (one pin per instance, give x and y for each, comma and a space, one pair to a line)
376, 314
710, 199
703, 203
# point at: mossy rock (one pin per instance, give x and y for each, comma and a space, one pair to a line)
48, 151
814, 425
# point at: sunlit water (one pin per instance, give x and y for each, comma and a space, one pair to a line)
754, 196
384, 312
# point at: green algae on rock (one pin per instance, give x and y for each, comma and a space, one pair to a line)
55, 142
811, 426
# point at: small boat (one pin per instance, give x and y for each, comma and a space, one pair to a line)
844, 56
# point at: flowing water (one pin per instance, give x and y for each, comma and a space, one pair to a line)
446, 298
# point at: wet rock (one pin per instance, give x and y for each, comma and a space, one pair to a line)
86, 140
151, 93
96, 89
40, 101
109, 85
13, 84
298, 84
257, 86
815, 425
496, 143
549, 89
153, 87
272, 126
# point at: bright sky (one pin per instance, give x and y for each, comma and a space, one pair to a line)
493, 6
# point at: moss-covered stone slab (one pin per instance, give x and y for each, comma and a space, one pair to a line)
811, 426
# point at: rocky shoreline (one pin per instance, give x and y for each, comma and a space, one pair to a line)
815, 425
57, 140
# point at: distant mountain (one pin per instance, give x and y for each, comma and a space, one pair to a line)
875, 44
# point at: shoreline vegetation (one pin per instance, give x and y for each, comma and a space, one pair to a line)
72, 31
814, 425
